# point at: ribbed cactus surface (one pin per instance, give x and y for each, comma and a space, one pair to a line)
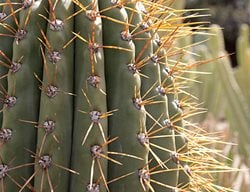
89, 92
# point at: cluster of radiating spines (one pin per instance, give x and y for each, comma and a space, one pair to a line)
9, 18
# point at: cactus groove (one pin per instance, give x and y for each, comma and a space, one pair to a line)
91, 99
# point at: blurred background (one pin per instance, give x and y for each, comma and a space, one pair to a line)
224, 88
229, 14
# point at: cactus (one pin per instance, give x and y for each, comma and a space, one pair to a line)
236, 100
94, 100
227, 95
242, 72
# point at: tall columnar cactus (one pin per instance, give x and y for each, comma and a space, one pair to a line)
92, 101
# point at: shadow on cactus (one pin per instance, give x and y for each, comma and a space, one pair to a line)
92, 100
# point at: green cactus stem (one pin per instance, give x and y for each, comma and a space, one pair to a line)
54, 138
242, 72
230, 85
90, 121
6, 23
95, 96
22, 99
130, 115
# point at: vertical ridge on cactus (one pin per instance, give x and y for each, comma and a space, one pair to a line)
93, 99
125, 100
56, 90
23, 87
90, 121
6, 27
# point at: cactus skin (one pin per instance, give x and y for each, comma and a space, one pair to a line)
107, 135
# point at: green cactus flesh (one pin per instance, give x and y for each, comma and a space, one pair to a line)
91, 100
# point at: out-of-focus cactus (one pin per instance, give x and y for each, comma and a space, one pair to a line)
242, 72
237, 103
221, 92
221, 89
94, 99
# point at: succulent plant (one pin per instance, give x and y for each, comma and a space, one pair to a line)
91, 100
243, 52
227, 98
